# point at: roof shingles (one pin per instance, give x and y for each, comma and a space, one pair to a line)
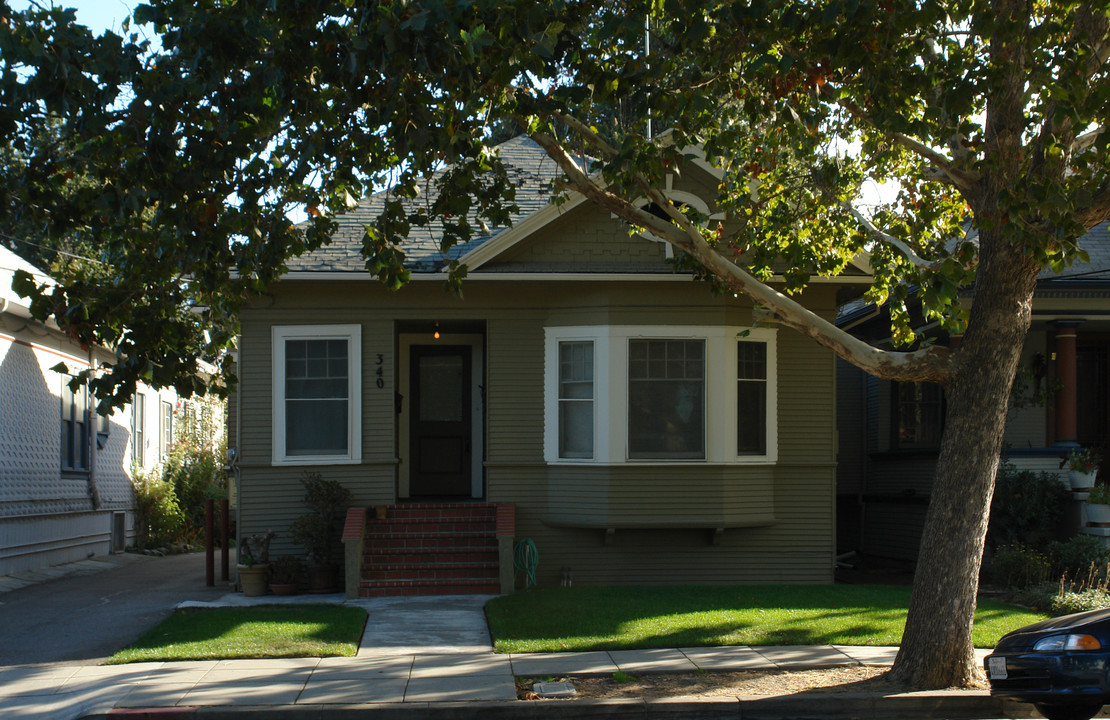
530, 171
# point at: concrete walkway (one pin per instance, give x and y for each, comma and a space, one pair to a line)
415, 653
419, 656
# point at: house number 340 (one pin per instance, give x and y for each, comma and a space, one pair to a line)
380, 381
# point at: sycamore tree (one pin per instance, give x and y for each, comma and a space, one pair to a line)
984, 117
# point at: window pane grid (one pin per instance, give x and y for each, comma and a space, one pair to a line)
138, 423
666, 399
75, 440
316, 397
576, 399
920, 414
751, 398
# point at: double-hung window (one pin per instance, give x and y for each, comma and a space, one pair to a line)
663, 394
167, 428
919, 415
317, 399
576, 399
138, 430
751, 398
75, 423
666, 399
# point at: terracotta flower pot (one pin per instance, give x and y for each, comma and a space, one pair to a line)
283, 588
252, 579
321, 578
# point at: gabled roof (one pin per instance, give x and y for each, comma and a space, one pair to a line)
1096, 272
1093, 275
530, 171
9, 263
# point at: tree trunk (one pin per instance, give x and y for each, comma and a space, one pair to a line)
936, 649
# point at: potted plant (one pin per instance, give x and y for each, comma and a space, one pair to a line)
254, 563
318, 529
1082, 465
285, 575
1098, 504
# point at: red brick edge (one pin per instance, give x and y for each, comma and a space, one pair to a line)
353, 526
506, 520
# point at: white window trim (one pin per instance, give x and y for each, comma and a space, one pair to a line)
611, 391
353, 335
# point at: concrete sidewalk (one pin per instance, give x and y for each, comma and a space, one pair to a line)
422, 656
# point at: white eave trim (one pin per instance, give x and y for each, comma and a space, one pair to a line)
862, 261
549, 276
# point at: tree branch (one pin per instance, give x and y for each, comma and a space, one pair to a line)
945, 170
931, 364
1091, 25
587, 132
1087, 139
907, 251
1098, 210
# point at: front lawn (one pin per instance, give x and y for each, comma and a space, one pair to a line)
618, 618
261, 631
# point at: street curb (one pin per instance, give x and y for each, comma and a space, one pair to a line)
802, 706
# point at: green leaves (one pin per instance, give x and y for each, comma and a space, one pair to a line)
182, 164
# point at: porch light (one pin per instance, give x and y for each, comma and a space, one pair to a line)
435, 332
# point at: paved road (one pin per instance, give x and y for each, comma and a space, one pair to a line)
86, 618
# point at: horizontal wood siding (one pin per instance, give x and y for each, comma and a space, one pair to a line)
850, 419
514, 397
1027, 427
232, 411
271, 497
791, 501
661, 496
871, 395
893, 529
584, 240
903, 474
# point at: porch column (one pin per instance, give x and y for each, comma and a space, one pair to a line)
1065, 356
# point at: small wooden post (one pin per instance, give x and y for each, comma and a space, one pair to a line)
225, 551
209, 550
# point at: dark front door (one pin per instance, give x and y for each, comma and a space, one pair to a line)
1093, 398
440, 431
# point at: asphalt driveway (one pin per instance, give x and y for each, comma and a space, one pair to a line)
86, 618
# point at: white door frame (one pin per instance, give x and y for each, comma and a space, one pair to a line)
477, 403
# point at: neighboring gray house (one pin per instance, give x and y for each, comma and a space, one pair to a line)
610, 407
889, 432
65, 488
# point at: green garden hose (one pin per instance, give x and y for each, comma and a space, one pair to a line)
526, 558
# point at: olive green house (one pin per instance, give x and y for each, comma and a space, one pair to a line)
635, 427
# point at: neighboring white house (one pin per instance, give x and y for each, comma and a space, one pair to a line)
65, 487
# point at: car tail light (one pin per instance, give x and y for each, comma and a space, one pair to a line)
1058, 643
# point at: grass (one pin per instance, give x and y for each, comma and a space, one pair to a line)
261, 631
616, 618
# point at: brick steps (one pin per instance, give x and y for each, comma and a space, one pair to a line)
414, 588
435, 549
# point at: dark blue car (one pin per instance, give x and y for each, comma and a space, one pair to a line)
1059, 665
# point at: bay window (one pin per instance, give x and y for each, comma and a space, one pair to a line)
660, 394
